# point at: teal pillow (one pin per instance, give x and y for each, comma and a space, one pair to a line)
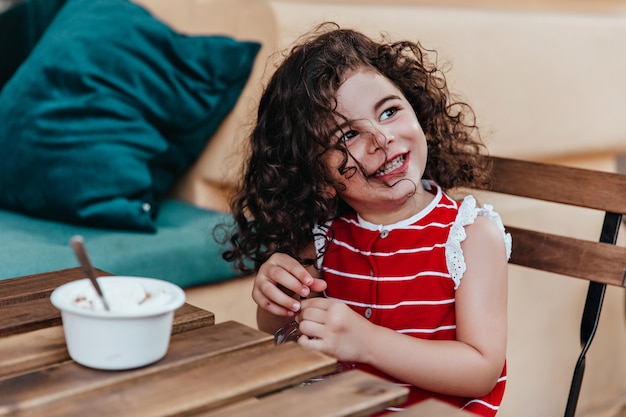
108, 110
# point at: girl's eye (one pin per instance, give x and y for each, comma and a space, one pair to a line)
348, 135
388, 113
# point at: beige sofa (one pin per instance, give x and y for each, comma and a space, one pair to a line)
547, 82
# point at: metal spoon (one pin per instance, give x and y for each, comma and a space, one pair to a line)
78, 244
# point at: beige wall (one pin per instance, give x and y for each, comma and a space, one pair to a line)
544, 85
579, 6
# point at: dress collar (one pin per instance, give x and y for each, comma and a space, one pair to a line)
429, 186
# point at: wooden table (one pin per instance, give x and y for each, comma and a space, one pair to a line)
226, 370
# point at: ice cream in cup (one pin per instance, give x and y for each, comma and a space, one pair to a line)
134, 332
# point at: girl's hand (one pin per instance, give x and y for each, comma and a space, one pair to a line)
279, 283
333, 328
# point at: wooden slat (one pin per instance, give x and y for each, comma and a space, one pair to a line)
38, 286
565, 255
594, 261
28, 351
40, 313
208, 384
67, 382
190, 317
25, 304
28, 316
25, 301
560, 184
434, 408
353, 393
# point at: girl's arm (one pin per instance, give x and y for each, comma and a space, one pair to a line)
469, 366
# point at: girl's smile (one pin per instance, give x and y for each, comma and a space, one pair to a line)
392, 167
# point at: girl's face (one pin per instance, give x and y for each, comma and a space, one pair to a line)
382, 133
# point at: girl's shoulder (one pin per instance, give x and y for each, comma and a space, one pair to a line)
469, 211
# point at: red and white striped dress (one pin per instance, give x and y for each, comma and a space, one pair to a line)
404, 276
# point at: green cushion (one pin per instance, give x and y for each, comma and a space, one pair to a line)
183, 251
109, 108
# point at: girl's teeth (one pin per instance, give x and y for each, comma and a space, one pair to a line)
387, 168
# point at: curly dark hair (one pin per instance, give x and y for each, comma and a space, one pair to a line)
281, 197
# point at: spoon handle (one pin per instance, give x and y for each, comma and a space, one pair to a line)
78, 245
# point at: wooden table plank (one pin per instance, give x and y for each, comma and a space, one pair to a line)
190, 317
25, 301
32, 287
352, 393
28, 351
68, 379
28, 316
25, 304
208, 384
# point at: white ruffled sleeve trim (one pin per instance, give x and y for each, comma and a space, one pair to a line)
466, 216
320, 243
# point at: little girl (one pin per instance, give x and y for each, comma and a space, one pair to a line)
344, 215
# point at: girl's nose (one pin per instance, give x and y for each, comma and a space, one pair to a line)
381, 138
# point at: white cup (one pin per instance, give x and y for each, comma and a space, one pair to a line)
134, 333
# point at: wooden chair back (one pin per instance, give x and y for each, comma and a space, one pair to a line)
600, 263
